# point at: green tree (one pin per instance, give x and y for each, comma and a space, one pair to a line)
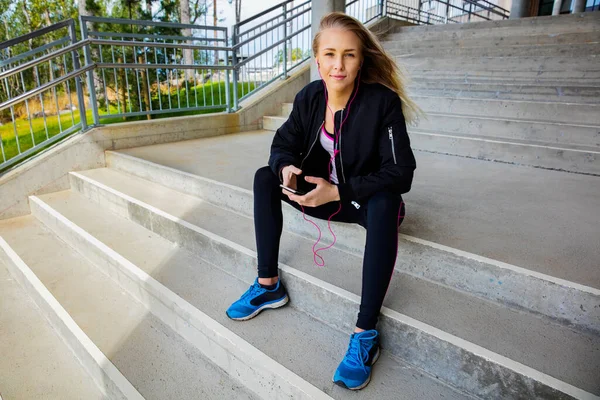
296, 54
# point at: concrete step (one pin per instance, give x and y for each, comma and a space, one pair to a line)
298, 341
531, 235
272, 123
286, 109
570, 158
498, 40
555, 50
492, 33
546, 133
444, 265
563, 94
435, 215
36, 363
110, 381
415, 78
569, 113
549, 133
506, 331
527, 111
565, 64
157, 361
581, 76
546, 24
493, 147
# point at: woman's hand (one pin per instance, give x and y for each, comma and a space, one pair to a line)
289, 177
325, 192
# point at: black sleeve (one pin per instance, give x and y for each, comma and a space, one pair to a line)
397, 162
288, 141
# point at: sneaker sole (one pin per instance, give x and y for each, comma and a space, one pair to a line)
342, 384
278, 304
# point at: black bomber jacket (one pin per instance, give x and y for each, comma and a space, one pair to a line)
375, 153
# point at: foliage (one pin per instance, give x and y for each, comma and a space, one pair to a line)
296, 54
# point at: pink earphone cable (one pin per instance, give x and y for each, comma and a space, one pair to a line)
331, 161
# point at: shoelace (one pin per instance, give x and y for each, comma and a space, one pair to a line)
357, 353
252, 290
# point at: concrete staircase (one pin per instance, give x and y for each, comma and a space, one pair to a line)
132, 268
524, 92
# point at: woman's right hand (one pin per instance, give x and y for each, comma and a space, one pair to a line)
289, 174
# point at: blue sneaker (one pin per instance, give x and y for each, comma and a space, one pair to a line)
354, 372
257, 299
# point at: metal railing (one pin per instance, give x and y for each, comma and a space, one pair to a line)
41, 95
429, 12
149, 68
365, 10
141, 69
282, 34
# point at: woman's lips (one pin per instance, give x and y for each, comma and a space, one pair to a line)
337, 77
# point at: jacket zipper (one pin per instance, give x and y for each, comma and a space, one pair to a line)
392, 143
313, 145
340, 147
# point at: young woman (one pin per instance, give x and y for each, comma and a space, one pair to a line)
345, 146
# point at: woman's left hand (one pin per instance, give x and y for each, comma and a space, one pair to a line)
325, 192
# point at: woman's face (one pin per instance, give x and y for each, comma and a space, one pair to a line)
339, 58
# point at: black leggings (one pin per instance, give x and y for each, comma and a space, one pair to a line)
380, 216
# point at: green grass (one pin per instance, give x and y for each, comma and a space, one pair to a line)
24, 130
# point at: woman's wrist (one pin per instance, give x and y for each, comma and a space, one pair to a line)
336, 193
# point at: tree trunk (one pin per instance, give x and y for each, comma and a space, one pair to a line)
146, 90
122, 88
215, 32
34, 70
188, 54
47, 16
97, 82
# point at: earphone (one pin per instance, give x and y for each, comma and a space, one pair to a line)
337, 134
332, 160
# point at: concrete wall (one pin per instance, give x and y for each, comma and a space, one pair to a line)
48, 172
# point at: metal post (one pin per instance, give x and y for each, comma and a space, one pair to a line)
78, 86
579, 6
90, 74
383, 9
234, 40
447, 11
227, 90
284, 43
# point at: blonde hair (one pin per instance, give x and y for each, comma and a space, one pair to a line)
378, 66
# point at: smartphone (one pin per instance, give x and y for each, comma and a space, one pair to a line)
298, 192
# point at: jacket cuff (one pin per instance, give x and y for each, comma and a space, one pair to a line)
277, 168
346, 192
280, 174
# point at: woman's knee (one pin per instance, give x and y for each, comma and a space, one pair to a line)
264, 178
384, 202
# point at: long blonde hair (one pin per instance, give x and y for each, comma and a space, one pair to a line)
378, 66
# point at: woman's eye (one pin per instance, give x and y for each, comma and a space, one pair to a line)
351, 55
